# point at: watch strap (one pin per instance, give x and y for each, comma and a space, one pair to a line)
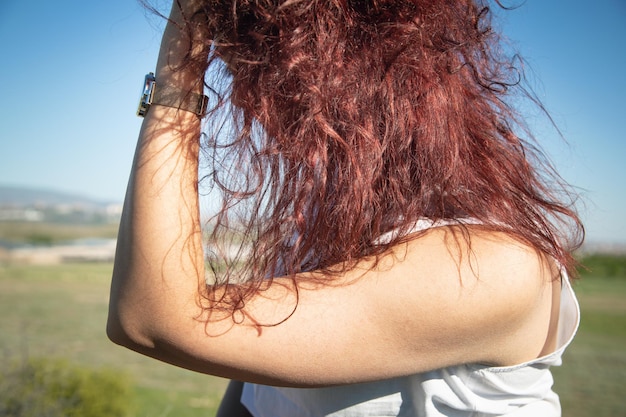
173, 97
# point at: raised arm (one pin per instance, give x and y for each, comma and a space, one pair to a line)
159, 251
430, 303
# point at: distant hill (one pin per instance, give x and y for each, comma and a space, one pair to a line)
44, 205
24, 197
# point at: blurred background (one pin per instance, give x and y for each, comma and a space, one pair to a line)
70, 80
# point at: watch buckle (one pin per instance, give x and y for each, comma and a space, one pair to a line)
147, 94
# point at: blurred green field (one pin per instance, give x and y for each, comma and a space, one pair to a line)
591, 380
60, 311
36, 233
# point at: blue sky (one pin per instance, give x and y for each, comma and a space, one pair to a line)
71, 74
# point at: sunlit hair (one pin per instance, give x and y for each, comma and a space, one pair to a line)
350, 119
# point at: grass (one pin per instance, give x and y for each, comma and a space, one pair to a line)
591, 380
60, 311
52, 233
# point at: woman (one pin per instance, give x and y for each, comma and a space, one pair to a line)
403, 251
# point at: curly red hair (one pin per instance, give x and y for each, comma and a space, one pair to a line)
352, 118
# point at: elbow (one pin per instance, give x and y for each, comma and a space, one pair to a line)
130, 322
115, 331
144, 338
127, 333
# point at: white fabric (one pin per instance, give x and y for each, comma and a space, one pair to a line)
523, 390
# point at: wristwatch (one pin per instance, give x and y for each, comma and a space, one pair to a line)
170, 97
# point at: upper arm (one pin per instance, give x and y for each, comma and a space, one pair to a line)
425, 306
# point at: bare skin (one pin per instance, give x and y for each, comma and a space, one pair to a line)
430, 303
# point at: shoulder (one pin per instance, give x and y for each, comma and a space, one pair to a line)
471, 257
482, 296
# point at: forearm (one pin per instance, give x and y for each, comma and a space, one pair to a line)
159, 262
159, 250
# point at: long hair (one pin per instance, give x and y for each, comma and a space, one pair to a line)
337, 121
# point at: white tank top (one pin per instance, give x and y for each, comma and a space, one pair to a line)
472, 390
